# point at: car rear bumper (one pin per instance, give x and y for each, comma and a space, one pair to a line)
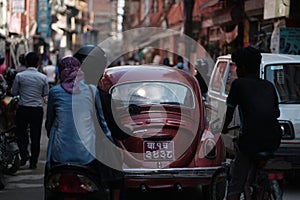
169, 177
50, 195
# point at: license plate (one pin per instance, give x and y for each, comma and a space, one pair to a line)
158, 150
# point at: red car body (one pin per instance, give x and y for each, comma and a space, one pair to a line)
157, 117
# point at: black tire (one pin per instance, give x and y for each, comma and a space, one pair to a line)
14, 167
267, 190
1, 179
219, 184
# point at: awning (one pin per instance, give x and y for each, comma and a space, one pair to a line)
145, 36
153, 37
208, 3
227, 16
254, 8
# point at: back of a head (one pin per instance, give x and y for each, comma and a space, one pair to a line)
249, 57
84, 51
179, 59
22, 59
69, 64
93, 60
31, 59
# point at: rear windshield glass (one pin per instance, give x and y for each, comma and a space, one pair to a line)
286, 79
145, 93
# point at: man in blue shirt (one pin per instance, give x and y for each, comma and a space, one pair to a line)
32, 86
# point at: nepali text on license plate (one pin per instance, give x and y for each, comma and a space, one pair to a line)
158, 150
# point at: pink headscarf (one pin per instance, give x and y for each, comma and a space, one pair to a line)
70, 74
2, 68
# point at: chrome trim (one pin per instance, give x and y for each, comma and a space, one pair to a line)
197, 172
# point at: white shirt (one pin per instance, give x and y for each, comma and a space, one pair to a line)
50, 72
32, 86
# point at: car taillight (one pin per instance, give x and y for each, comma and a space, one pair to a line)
287, 129
208, 146
209, 149
71, 184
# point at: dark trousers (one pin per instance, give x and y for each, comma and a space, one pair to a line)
31, 117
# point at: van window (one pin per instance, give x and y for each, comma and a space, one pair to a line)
286, 79
218, 76
231, 76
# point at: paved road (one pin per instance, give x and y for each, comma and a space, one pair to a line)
27, 184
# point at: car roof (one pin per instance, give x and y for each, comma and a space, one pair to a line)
270, 58
132, 73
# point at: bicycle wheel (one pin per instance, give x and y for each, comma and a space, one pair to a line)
275, 190
219, 184
267, 190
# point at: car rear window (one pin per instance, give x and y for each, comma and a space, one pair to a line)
149, 93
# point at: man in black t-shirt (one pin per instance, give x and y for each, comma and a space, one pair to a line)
257, 102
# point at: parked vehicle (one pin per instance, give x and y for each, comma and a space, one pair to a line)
284, 72
65, 181
157, 117
9, 151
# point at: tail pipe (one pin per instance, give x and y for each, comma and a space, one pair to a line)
178, 187
143, 188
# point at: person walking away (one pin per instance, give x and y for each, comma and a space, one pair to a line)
62, 131
201, 82
258, 108
166, 62
32, 86
181, 64
72, 141
50, 71
22, 66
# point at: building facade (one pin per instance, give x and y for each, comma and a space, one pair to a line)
220, 26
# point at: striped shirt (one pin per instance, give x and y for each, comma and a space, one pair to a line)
32, 86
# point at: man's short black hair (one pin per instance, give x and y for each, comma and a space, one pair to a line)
31, 59
22, 59
249, 57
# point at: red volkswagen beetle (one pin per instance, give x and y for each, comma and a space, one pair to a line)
156, 115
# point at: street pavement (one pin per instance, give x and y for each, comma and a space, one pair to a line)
27, 184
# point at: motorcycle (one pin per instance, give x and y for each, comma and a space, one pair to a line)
65, 181
9, 151
9, 155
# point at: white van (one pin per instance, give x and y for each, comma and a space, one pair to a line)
284, 72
